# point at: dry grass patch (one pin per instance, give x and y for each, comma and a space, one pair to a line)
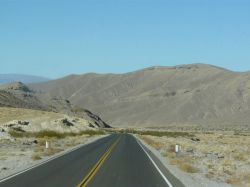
188, 168
41, 151
57, 145
237, 180
184, 165
54, 134
153, 132
54, 147
8, 114
156, 144
36, 157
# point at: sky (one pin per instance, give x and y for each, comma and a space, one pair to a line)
54, 38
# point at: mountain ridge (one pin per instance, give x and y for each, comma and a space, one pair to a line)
158, 96
10, 78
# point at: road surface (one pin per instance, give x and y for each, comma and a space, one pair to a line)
114, 161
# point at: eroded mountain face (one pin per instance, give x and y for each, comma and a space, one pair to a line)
19, 95
159, 96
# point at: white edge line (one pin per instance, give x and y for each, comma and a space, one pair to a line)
163, 176
46, 161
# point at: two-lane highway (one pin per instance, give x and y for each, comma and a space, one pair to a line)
113, 161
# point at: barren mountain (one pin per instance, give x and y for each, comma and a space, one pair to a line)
18, 95
160, 96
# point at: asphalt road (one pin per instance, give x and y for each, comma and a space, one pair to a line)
113, 161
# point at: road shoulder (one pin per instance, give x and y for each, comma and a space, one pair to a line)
158, 159
21, 166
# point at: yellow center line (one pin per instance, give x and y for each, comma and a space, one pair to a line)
97, 166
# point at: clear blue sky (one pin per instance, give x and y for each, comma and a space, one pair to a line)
54, 38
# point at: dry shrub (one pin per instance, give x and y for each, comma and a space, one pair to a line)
41, 142
171, 155
240, 179
42, 151
240, 157
227, 162
36, 157
188, 168
39, 149
233, 180
184, 165
157, 133
54, 134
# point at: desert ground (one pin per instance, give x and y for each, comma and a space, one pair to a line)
222, 157
206, 158
24, 133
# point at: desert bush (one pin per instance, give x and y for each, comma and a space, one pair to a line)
92, 132
47, 133
39, 149
54, 134
188, 168
233, 180
157, 133
184, 165
36, 157
240, 157
17, 134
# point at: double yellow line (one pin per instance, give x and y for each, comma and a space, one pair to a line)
97, 166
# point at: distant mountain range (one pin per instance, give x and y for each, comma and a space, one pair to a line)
160, 96
9, 78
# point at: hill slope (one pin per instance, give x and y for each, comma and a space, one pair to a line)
159, 96
18, 95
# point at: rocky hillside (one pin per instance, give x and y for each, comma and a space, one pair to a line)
159, 96
27, 120
19, 95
